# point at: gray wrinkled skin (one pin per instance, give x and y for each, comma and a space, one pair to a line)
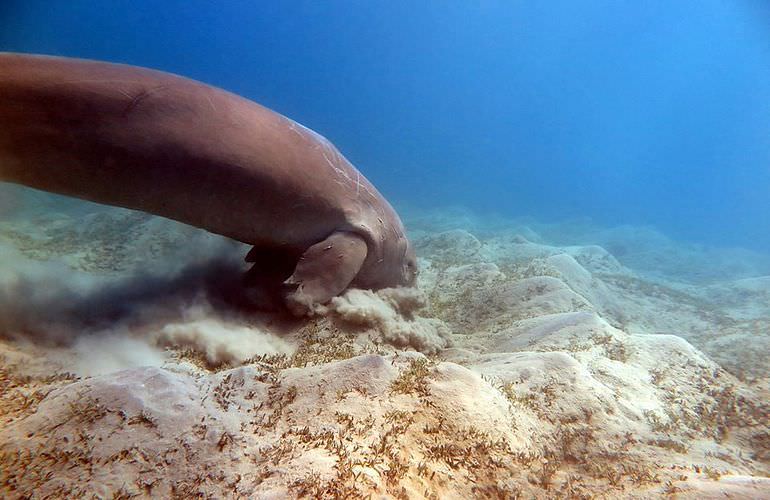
167, 145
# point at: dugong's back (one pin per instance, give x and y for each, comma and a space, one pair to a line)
148, 140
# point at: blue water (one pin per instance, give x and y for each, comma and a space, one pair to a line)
652, 112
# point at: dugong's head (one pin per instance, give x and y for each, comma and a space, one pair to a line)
390, 258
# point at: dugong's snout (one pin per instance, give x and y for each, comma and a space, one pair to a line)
410, 269
401, 269
396, 268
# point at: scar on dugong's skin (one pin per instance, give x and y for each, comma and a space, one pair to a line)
160, 143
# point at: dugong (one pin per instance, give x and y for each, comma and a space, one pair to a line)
160, 143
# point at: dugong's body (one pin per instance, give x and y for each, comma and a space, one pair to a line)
167, 145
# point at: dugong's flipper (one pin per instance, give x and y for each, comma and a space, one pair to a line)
324, 271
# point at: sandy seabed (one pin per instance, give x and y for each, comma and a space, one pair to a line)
536, 361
